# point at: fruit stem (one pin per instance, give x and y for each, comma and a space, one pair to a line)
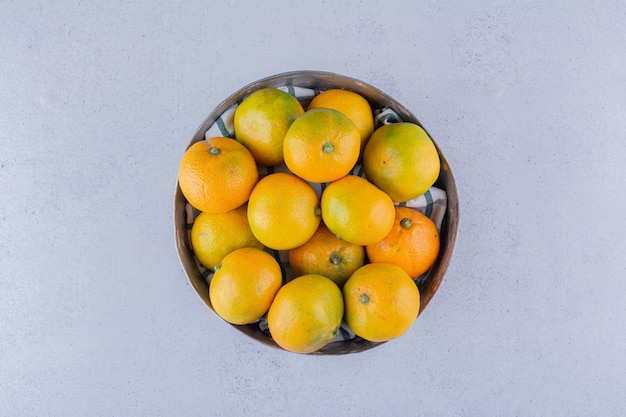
405, 223
364, 299
214, 151
317, 211
335, 258
328, 147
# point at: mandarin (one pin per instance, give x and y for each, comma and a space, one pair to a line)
402, 160
261, 121
412, 244
381, 302
283, 211
353, 105
328, 255
217, 174
357, 211
215, 235
244, 285
306, 313
322, 145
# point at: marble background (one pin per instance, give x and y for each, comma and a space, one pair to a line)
526, 99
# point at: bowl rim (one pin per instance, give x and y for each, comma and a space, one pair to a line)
377, 98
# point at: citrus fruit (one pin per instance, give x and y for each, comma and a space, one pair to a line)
328, 255
217, 175
381, 302
401, 159
283, 211
412, 244
356, 211
215, 235
353, 105
244, 285
261, 121
322, 145
306, 313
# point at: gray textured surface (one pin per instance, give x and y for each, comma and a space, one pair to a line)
527, 100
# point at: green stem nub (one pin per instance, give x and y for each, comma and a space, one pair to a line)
405, 223
335, 258
328, 147
317, 211
214, 151
364, 299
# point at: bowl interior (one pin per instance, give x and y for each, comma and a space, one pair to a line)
378, 99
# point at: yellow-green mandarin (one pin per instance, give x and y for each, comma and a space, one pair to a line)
261, 121
402, 160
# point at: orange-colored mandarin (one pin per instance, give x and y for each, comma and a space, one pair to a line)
261, 121
322, 145
352, 104
306, 314
217, 175
412, 244
244, 285
381, 302
283, 211
327, 254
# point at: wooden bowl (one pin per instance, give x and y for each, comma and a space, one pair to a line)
323, 80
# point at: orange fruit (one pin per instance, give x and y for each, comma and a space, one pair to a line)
215, 235
353, 105
381, 302
356, 211
402, 160
283, 211
217, 175
306, 314
412, 244
322, 145
244, 285
261, 121
328, 255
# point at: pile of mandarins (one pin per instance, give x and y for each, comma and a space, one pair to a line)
353, 252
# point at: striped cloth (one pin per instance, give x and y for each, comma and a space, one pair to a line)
432, 203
